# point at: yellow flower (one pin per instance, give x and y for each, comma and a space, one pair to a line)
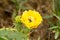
17, 19
31, 18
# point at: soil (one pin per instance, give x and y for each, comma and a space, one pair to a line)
6, 9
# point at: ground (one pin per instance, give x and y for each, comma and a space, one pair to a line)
43, 6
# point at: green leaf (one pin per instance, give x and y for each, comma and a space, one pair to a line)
14, 14
48, 16
25, 30
56, 16
56, 35
18, 26
12, 34
54, 27
2, 38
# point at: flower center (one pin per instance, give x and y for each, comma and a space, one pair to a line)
30, 20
